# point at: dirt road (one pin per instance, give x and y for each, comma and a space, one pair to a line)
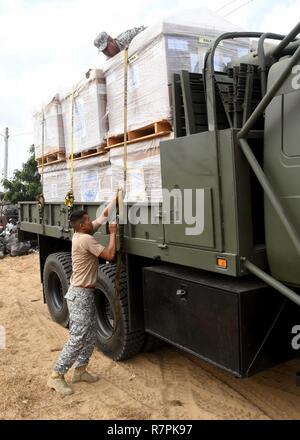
167, 384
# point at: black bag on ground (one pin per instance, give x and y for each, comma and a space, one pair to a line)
19, 248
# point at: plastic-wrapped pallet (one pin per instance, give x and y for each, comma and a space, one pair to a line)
143, 170
96, 179
53, 129
88, 174
90, 121
178, 42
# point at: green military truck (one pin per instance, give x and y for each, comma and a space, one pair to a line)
229, 292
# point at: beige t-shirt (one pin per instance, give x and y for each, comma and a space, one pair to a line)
85, 253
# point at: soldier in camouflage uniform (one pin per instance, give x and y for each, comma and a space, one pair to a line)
111, 46
80, 299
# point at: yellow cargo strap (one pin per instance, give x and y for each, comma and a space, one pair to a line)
120, 203
40, 197
69, 199
125, 116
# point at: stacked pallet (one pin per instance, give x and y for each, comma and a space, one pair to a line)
89, 112
87, 177
146, 133
86, 103
97, 178
177, 43
49, 133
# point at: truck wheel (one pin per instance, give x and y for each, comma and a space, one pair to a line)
117, 342
57, 273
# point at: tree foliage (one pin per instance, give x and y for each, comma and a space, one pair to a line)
25, 184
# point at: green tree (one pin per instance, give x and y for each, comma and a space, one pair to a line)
25, 184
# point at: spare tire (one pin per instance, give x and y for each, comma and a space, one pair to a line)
115, 339
57, 274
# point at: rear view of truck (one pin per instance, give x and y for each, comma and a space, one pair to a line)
211, 263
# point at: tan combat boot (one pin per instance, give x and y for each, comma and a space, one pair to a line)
82, 375
57, 382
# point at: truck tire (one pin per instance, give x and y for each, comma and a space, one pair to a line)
57, 273
119, 344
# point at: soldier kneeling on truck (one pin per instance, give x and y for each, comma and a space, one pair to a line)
111, 46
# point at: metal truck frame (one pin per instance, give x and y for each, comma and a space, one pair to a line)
229, 294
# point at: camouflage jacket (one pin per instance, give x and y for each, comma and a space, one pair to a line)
123, 40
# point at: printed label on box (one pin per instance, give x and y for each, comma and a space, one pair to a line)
136, 185
79, 120
195, 67
205, 40
89, 185
105, 187
133, 58
133, 77
54, 192
178, 44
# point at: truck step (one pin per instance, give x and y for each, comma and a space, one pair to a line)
156, 129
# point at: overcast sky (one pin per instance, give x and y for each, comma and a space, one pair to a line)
47, 45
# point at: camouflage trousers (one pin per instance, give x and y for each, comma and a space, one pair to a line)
79, 348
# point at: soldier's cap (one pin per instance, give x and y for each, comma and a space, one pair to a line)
101, 41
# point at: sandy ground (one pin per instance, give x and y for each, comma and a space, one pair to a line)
166, 384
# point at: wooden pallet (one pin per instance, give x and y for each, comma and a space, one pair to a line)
156, 129
51, 158
89, 153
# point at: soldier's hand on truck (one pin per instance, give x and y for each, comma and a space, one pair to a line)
112, 228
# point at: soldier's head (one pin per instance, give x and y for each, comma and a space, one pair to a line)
81, 222
106, 44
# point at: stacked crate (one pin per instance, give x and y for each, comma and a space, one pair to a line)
97, 178
87, 176
49, 133
88, 99
176, 43
89, 111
